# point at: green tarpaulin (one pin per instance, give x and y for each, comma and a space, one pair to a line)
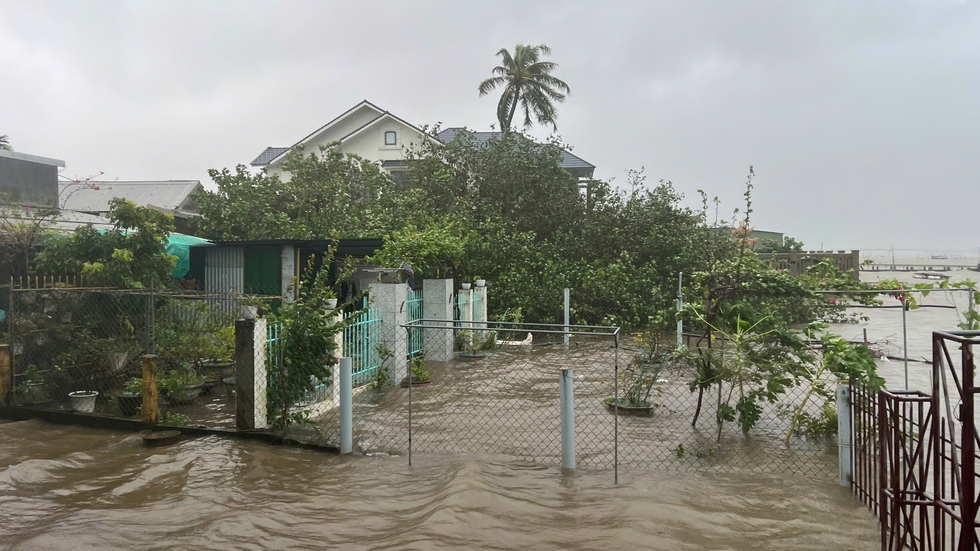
180, 245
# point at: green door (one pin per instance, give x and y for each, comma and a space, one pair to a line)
263, 271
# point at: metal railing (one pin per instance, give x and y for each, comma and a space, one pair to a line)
363, 344
413, 313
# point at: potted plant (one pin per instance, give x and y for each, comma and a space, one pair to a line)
83, 401
420, 377
638, 378
130, 400
180, 386
250, 307
466, 286
470, 345
331, 304
480, 282
33, 387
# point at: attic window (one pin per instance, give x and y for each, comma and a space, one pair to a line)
391, 138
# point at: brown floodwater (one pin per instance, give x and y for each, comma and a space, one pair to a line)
66, 487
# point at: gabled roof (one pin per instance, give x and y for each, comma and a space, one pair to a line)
94, 196
31, 158
574, 164
272, 154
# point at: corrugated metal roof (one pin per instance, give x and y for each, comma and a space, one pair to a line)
95, 196
569, 161
270, 153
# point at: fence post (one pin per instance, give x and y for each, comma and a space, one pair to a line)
466, 311
346, 406
151, 398
392, 301
6, 373
844, 433
335, 382
680, 308
250, 374
567, 395
568, 301
438, 305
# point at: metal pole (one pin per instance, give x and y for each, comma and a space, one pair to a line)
616, 412
568, 300
567, 394
346, 406
680, 306
970, 306
905, 343
409, 415
844, 433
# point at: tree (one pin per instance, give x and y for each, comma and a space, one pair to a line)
21, 230
527, 83
327, 193
133, 254
5, 142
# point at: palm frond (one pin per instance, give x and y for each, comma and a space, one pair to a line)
490, 84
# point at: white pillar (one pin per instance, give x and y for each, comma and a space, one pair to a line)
568, 313
250, 374
288, 272
844, 433
346, 406
567, 407
466, 311
391, 299
437, 304
481, 313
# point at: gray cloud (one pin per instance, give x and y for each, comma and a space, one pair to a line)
860, 117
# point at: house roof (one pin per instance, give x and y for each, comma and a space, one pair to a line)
94, 196
266, 156
31, 158
573, 163
345, 247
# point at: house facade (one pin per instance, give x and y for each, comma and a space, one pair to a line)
377, 135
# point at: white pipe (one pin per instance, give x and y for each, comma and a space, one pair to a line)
567, 395
844, 433
680, 307
568, 300
346, 406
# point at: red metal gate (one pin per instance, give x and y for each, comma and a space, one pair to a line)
915, 454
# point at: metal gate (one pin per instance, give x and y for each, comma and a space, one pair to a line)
915, 460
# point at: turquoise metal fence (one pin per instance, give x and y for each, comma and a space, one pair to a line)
362, 340
414, 313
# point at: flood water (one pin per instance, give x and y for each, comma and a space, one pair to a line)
64, 487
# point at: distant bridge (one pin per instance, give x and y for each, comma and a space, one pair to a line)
924, 266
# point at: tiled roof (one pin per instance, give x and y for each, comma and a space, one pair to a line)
166, 195
569, 161
270, 153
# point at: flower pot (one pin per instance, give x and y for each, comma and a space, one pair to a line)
415, 382
34, 393
644, 409
250, 312
481, 283
466, 286
331, 304
229, 385
83, 401
472, 355
186, 395
211, 380
129, 403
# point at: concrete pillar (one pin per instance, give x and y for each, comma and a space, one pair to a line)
480, 315
438, 305
250, 374
391, 300
335, 372
465, 300
288, 264
567, 410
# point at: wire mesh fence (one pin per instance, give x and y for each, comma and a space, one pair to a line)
82, 348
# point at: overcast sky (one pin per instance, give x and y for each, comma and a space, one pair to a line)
861, 117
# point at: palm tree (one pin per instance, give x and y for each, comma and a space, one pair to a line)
527, 83
5, 143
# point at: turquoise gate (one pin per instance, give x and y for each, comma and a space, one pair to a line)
413, 313
363, 344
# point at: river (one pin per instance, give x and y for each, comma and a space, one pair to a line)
66, 487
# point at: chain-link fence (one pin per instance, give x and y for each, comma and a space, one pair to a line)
82, 349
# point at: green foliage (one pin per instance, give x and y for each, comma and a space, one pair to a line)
527, 86
419, 374
306, 352
327, 193
173, 419
380, 379
789, 245
428, 250
192, 332
174, 381
132, 254
134, 385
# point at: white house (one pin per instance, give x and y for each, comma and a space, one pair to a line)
377, 135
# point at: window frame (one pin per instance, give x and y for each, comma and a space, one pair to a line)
394, 137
